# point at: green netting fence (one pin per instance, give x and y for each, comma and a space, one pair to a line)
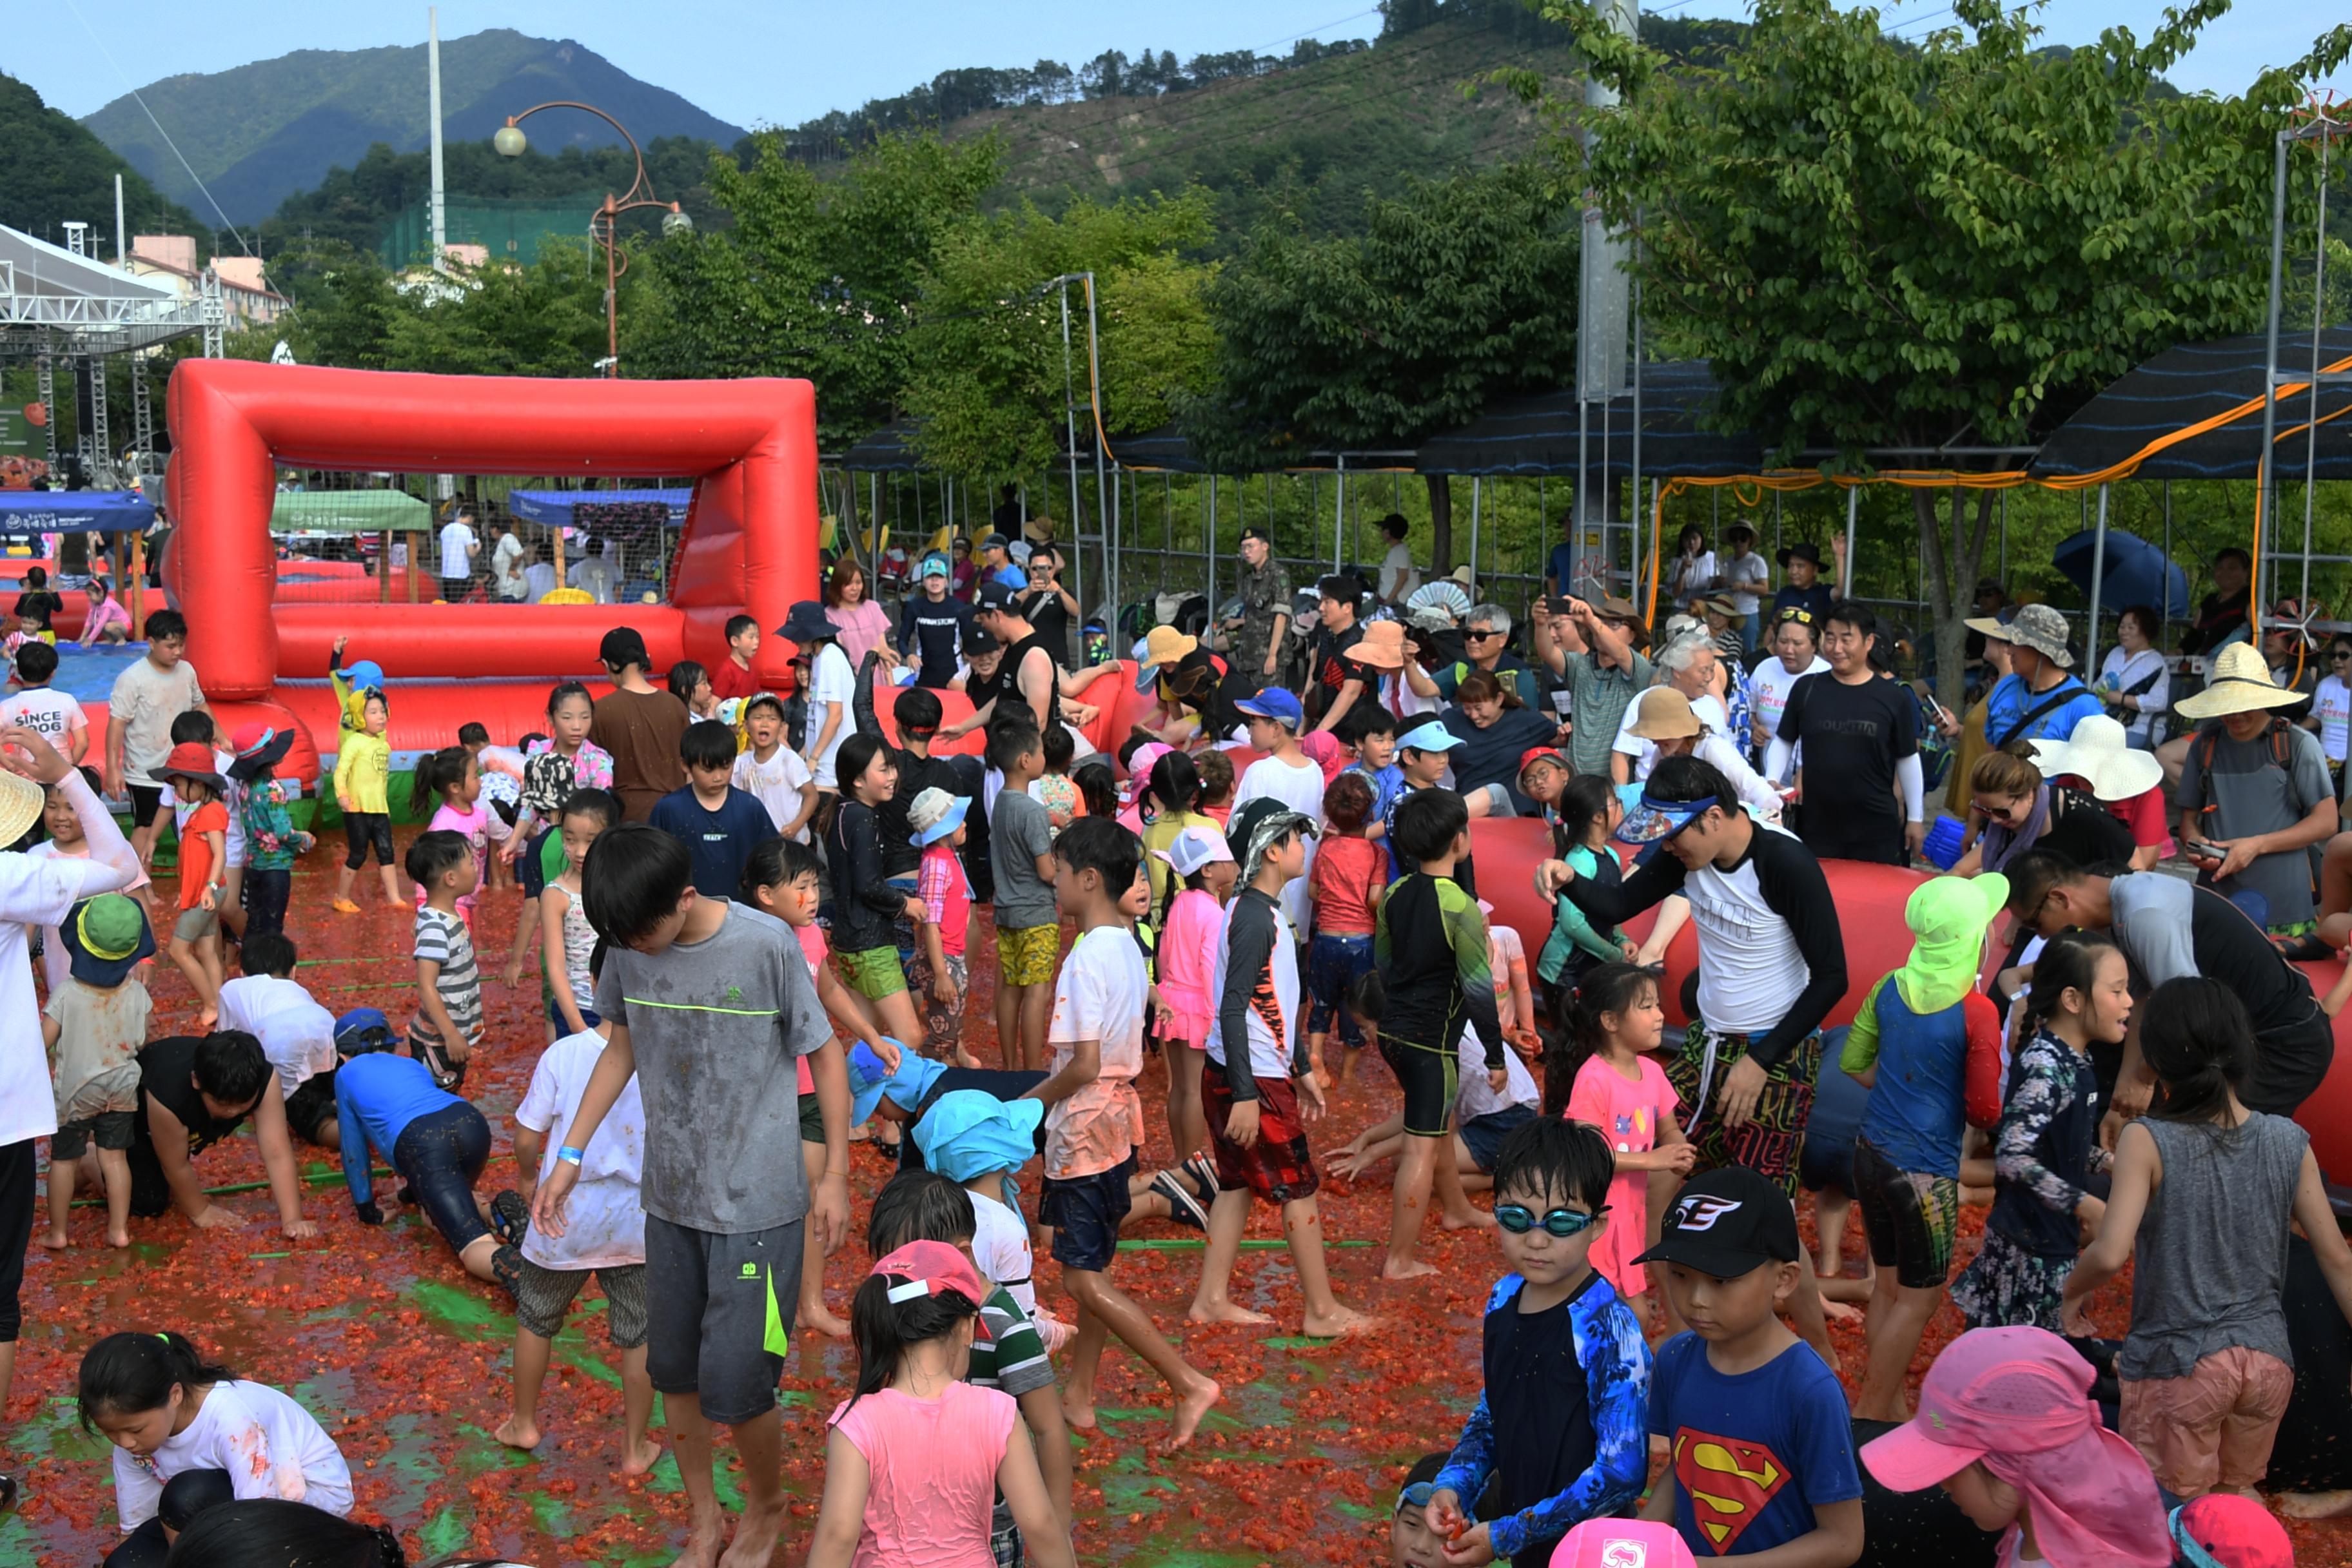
511, 228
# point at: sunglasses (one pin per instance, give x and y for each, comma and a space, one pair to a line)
1480, 637
1518, 1219
1803, 617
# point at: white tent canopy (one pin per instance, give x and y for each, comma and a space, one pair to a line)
56, 301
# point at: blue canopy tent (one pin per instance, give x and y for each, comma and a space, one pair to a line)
75, 511
2136, 572
554, 508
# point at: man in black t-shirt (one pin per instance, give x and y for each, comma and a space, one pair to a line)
194, 1092
1335, 682
1861, 786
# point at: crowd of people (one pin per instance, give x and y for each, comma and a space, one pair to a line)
755, 919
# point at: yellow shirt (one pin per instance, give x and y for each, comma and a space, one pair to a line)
1159, 836
363, 772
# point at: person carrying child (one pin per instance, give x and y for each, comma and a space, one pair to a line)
1759, 1446
1350, 875
363, 784
168, 1411
436, 1143
272, 842
1562, 1417
94, 1027
2008, 1428
1431, 946
1260, 1088
723, 1217
1926, 1044
297, 1035
1094, 1119
448, 1023
2204, 1194
606, 1238
2046, 1146
916, 1456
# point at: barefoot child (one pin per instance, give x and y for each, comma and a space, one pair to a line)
1482, 1119
923, 1205
297, 1035
94, 1027
204, 862
1431, 946
2047, 1144
938, 976
450, 784
362, 782
1260, 1087
781, 880
1028, 934
917, 1456
448, 1023
1926, 1044
2204, 1195
1096, 1033
1608, 1080
566, 939
1561, 1458
198, 725
1192, 936
167, 1411
606, 1238
723, 1217
1351, 870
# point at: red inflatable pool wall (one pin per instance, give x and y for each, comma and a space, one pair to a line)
749, 543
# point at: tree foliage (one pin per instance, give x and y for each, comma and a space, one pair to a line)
986, 368
1884, 244
53, 170
813, 278
1457, 292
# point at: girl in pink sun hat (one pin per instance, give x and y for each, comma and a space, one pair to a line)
2006, 1427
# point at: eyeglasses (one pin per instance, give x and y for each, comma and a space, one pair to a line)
1518, 1219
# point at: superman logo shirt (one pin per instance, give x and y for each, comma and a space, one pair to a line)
1754, 1453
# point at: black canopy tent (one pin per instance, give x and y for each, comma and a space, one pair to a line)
1538, 435
2196, 382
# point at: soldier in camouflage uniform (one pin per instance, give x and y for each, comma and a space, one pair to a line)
1253, 652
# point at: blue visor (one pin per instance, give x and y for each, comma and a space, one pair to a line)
1652, 822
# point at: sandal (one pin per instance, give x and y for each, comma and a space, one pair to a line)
345, 907
1183, 1207
509, 1218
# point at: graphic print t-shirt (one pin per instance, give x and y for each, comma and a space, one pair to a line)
1754, 1454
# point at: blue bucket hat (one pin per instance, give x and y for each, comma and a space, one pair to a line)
968, 1133
106, 938
870, 1078
362, 1030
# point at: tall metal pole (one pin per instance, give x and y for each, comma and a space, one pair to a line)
1339, 511
2318, 317
120, 243
1070, 444
433, 112
2098, 587
2265, 498
1110, 520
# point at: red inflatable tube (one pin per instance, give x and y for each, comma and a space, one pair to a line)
749, 543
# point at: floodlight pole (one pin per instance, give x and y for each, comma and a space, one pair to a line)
1107, 539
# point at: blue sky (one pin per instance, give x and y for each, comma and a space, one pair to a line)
783, 61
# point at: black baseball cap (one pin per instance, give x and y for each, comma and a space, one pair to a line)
993, 596
1726, 1223
623, 646
980, 643
996, 542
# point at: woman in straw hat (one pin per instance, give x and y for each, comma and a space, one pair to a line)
1665, 718
2256, 801
36, 892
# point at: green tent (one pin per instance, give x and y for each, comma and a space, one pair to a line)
348, 511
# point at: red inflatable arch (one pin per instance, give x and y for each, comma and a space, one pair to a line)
750, 541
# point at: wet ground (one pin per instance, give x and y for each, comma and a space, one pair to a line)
405, 1361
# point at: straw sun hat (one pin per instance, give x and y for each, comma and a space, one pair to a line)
20, 806
2239, 682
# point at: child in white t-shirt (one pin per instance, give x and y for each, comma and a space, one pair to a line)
980, 1142
39, 706
604, 1235
773, 772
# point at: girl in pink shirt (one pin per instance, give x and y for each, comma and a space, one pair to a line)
453, 778
1190, 935
1606, 1079
916, 1456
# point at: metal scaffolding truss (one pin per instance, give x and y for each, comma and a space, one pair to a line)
54, 301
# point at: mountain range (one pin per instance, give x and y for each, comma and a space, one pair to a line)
262, 131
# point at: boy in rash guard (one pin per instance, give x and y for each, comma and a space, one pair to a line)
1431, 943
933, 626
1561, 1422
1771, 964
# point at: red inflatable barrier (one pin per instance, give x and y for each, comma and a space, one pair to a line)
749, 543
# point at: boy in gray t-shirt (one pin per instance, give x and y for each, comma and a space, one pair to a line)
1028, 926
711, 1005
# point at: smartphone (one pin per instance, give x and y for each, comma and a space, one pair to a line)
2205, 852
1562, 604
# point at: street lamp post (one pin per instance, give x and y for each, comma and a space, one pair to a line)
603, 227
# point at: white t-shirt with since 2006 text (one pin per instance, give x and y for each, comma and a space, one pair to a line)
46, 709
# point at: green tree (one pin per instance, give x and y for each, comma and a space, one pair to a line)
985, 374
1457, 292
546, 319
53, 170
1884, 244
345, 307
815, 279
